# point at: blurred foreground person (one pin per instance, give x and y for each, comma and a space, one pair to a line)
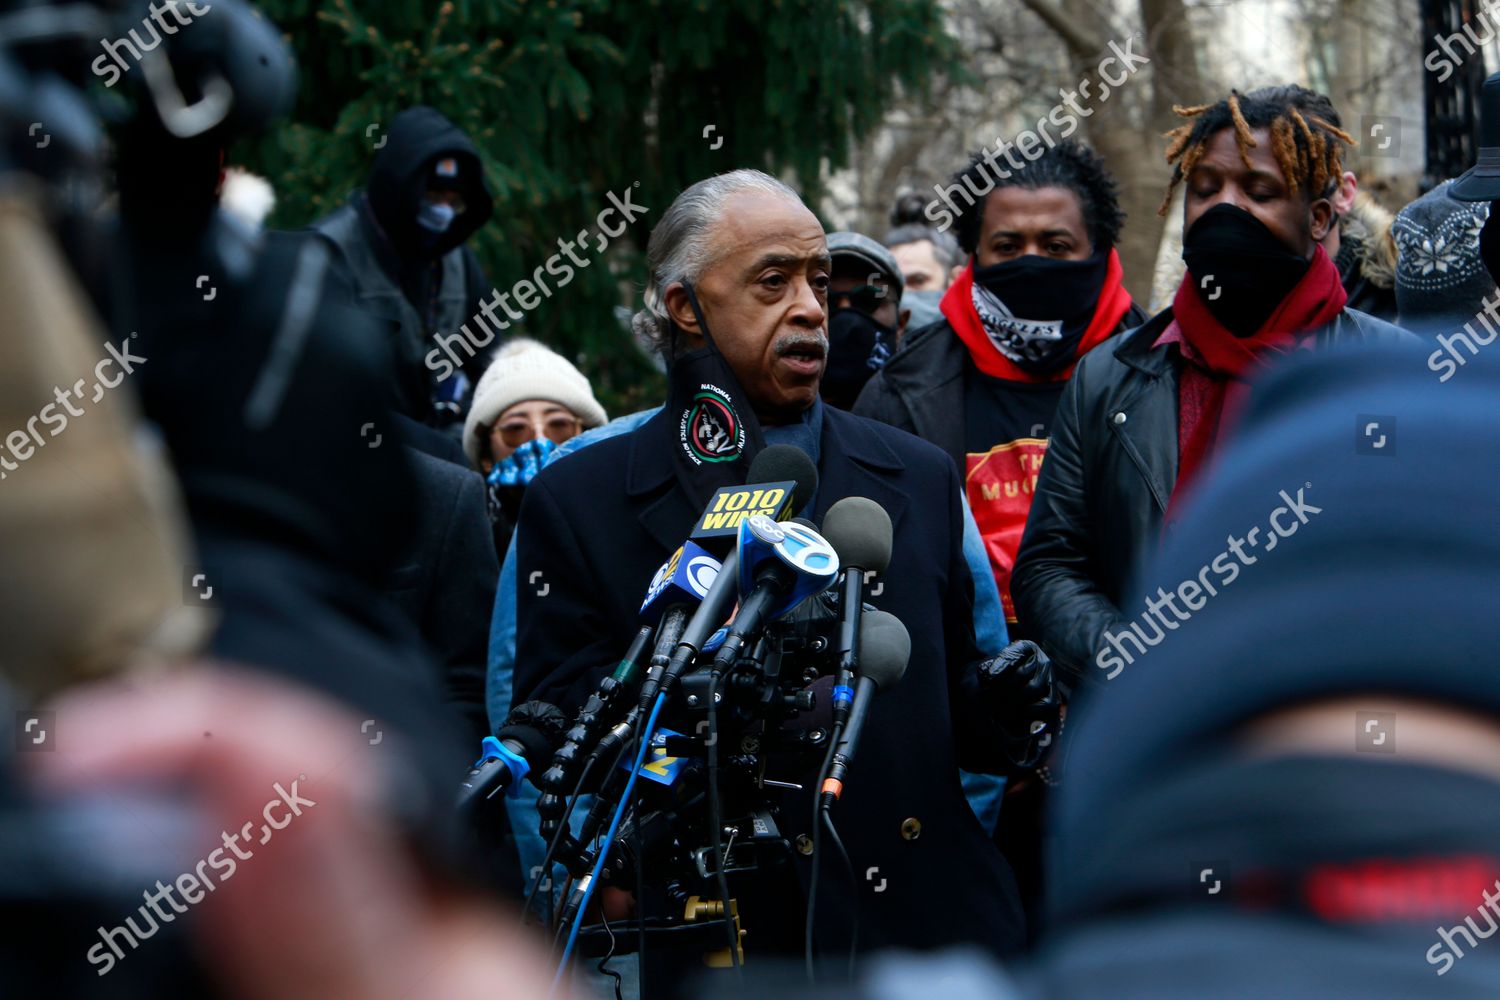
92, 549
329, 903
400, 243
1316, 815
270, 466
273, 399
275, 460
1145, 414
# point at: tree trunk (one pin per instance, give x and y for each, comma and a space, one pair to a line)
1127, 133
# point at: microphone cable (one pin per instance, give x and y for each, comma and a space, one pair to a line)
603, 965
557, 839
853, 885
716, 829
640, 896
609, 838
834, 735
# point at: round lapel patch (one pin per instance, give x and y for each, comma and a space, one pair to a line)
711, 432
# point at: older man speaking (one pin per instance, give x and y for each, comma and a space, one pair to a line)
738, 290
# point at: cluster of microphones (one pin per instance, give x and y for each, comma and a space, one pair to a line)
702, 614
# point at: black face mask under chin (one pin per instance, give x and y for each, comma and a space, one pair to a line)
1242, 271
715, 431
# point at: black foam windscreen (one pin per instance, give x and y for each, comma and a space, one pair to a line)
537, 726
779, 463
884, 648
859, 530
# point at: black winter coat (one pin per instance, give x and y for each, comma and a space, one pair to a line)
1104, 487
445, 582
593, 529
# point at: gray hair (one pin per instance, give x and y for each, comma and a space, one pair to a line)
679, 246
944, 246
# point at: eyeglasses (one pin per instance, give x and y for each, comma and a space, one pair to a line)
557, 428
865, 298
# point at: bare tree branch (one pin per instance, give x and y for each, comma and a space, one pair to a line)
1079, 42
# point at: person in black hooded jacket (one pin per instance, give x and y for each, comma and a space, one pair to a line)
399, 242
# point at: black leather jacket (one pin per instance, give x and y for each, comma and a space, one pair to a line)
1104, 487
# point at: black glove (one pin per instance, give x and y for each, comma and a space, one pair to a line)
1022, 698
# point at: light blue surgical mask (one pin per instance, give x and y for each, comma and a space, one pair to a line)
924, 308
436, 216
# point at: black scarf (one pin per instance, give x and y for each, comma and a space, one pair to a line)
1035, 309
715, 433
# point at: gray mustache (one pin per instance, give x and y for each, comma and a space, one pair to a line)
792, 341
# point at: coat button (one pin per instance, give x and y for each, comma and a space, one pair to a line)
911, 828
1120, 417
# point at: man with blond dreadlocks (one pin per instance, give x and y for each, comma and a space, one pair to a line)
1357, 232
1145, 412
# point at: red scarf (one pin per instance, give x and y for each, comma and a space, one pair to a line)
958, 307
1312, 302
1211, 387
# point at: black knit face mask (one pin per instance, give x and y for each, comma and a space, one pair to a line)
858, 346
1242, 271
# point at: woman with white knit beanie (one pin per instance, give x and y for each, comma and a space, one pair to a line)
529, 400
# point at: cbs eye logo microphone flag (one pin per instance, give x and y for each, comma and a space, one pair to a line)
687, 575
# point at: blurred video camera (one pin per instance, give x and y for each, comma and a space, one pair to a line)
181, 90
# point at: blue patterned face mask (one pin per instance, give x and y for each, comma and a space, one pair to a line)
522, 465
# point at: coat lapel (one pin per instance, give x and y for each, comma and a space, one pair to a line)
1145, 417
934, 411
855, 462
666, 514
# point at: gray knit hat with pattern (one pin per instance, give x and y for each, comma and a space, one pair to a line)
1440, 276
